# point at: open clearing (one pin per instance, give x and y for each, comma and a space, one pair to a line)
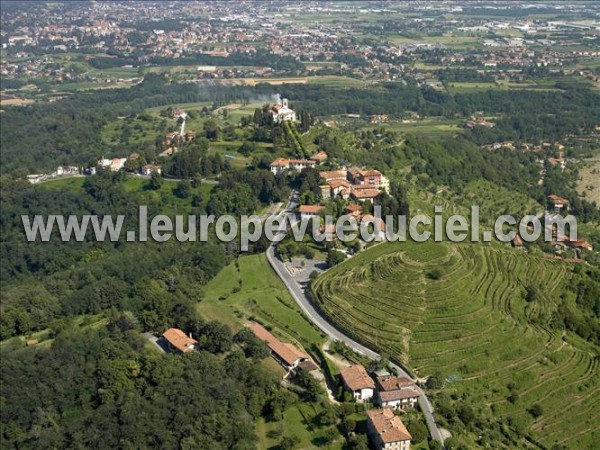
588, 185
473, 324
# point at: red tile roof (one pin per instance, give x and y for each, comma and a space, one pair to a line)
334, 184
311, 209
356, 378
287, 352
398, 394
391, 383
365, 192
180, 340
388, 426
558, 200
334, 174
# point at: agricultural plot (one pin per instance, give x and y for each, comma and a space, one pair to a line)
471, 322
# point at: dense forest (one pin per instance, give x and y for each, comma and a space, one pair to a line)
101, 388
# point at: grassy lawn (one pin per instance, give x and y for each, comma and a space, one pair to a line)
473, 323
251, 290
297, 421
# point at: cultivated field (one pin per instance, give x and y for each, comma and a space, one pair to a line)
474, 326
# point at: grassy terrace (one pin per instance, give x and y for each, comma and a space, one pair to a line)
474, 323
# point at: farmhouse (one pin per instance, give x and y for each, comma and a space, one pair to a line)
179, 342
396, 392
358, 382
285, 354
386, 430
558, 202
309, 211
282, 164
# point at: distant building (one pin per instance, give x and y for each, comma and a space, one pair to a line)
309, 211
281, 112
281, 164
358, 382
179, 342
558, 202
149, 169
387, 431
114, 165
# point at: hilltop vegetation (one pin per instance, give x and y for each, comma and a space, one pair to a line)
487, 326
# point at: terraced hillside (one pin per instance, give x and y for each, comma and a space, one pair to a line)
474, 325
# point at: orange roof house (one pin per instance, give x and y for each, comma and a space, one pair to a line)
333, 175
357, 380
179, 341
284, 353
365, 194
396, 392
386, 430
557, 201
390, 383
310, 210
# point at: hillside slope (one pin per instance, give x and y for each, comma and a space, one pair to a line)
473, 325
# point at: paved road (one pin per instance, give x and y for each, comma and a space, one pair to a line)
315, 317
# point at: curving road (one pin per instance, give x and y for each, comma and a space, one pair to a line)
315, 317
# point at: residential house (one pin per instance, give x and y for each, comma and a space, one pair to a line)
310, 211
558, 202
340, 188
387, 431
149, 169
358, 382
284, 353
281, 164
364, 194
396, 392
354, 209
333, 175
179, 342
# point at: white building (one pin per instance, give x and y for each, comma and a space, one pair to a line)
281, 164
281, 112
358, 382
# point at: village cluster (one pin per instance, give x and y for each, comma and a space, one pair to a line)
386, 395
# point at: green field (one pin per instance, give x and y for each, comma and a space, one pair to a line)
298, 421
249, 289
473, 323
